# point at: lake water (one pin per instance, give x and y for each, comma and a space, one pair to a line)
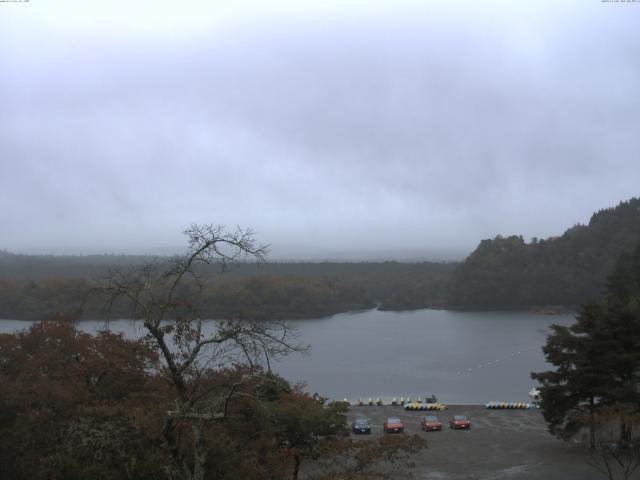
461, 357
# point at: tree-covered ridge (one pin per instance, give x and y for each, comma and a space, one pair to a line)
32, 287
570, 270
253, 297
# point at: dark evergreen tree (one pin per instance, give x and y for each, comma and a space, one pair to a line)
597, 359
569, 393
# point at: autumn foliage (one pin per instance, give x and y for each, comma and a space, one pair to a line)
76, 406
73, 402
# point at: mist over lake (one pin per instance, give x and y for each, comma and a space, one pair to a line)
461, 357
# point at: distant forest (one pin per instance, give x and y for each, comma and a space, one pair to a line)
33, 287
503, 273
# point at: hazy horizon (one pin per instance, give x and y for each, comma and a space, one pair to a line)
337, 130
276, 254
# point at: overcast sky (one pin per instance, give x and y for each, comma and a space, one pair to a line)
331, 128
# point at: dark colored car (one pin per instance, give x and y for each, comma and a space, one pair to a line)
393, 425
360, 425
459, 422
430, 423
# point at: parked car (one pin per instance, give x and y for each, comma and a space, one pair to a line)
393, 425
360, 425
459, 422
430, 423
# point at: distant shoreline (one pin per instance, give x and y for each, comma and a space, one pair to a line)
318, 315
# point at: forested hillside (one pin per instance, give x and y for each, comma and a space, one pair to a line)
570, 270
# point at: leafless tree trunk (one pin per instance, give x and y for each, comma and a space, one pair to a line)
174, 327
592, 423
296, 466
615, 462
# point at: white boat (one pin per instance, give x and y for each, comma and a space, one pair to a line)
534, 393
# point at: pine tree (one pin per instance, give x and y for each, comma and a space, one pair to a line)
597, 359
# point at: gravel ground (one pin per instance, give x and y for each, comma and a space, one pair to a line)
502, 444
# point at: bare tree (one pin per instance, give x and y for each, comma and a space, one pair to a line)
164, 296
615, 462
610, 456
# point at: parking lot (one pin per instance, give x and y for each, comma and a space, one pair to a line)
501, 444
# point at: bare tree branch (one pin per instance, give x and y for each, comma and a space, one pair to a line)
175, 329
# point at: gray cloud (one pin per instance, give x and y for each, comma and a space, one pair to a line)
416, 129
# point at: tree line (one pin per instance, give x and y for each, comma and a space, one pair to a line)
502, 273
34, 287
252, 297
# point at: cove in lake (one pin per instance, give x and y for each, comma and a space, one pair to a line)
461, 357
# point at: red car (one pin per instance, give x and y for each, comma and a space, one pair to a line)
459, 422
393, 425
430, 423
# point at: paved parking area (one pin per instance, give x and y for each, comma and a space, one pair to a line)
502, 444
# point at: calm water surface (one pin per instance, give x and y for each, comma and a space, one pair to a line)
461, 357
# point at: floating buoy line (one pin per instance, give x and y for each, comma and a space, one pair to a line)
494, 363
509, 405
425, 406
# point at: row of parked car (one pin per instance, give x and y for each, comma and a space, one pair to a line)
428, 423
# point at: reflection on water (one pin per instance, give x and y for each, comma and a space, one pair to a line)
461, 357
